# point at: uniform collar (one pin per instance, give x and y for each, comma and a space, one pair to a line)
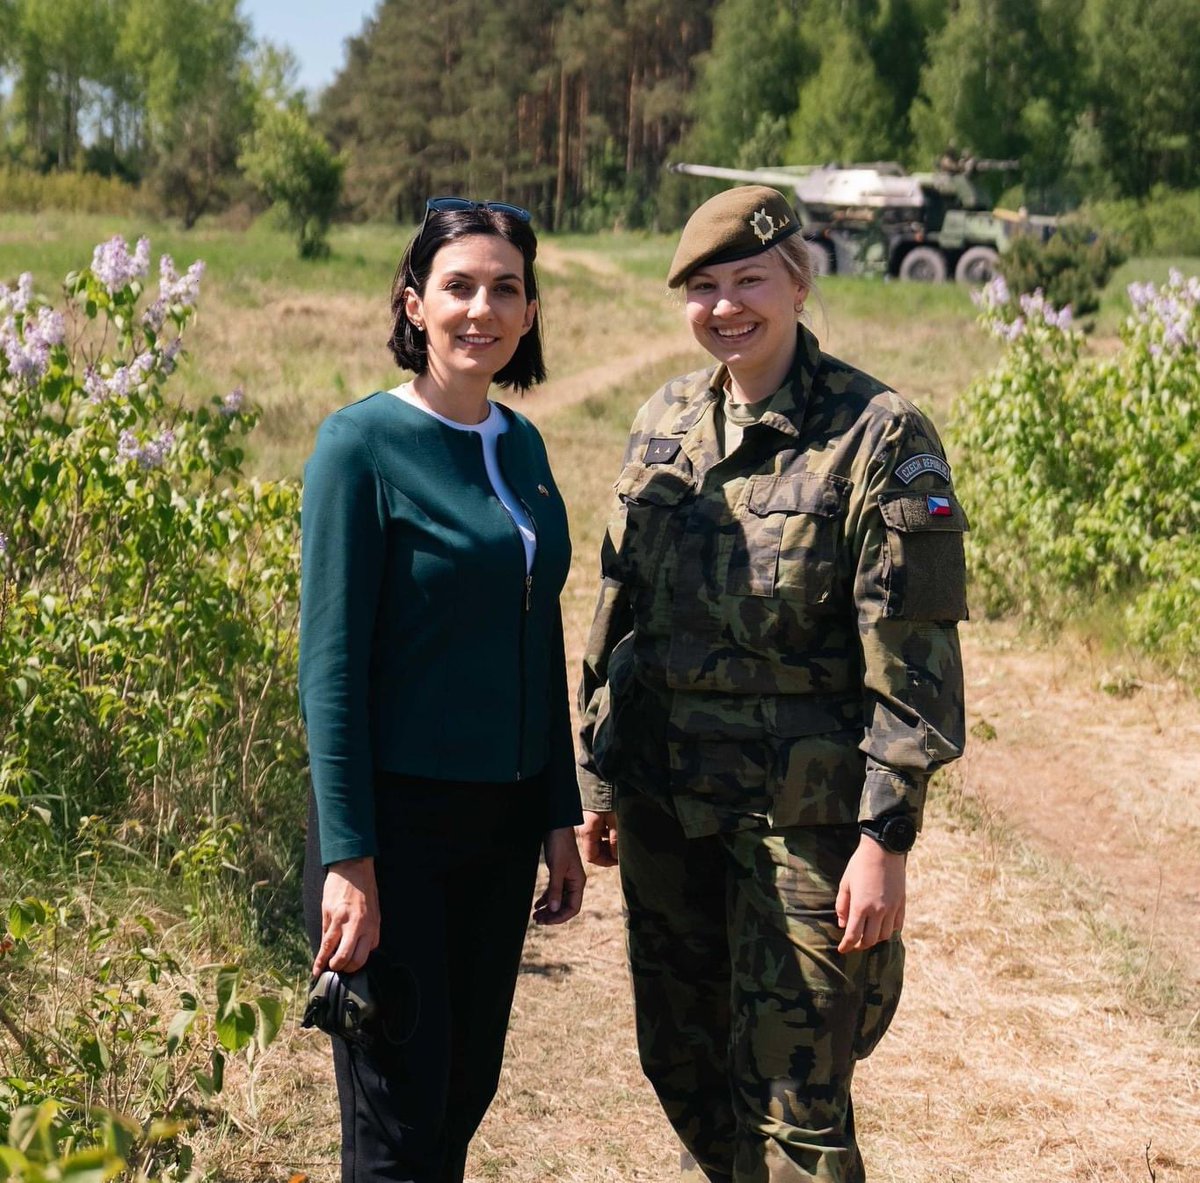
789, 403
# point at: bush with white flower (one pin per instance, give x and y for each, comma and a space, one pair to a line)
147, 617
1079, 471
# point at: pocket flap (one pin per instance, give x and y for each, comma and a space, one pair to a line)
654, 484
803, 493
910, 512
795, 715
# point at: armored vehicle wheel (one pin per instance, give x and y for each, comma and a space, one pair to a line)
924, 264
977, 265
819, 257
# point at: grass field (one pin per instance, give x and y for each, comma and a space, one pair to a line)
1048, 1033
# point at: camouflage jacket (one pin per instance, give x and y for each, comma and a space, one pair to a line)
775, 641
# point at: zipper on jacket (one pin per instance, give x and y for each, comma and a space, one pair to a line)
527, 604
528, 607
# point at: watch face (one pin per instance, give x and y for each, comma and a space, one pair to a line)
899, 834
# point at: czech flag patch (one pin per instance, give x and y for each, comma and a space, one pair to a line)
939, 507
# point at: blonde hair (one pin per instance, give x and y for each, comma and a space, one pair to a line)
794, 252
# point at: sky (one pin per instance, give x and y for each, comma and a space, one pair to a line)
315, 30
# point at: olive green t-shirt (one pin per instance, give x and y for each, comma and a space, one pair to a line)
732, 419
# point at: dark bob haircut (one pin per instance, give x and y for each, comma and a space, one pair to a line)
527, 367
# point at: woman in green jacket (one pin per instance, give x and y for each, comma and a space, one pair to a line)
433, 688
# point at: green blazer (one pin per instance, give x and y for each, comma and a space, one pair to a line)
425, 649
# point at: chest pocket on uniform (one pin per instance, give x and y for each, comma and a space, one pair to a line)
786, 535
651, 496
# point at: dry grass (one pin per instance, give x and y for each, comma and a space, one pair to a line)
1023, 1051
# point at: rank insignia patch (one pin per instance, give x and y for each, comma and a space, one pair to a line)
925, 462
939, 507
662, 451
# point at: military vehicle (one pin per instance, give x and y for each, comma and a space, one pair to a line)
877, 218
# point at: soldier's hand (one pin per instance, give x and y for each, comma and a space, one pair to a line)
598, 836
349, 916
870, 899
564, 893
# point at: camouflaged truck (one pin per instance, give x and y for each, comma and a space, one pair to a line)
879, 219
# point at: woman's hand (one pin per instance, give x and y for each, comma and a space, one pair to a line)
564, 893
349, 916
870, 899
599, 837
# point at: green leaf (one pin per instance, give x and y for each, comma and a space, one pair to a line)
23, 917
180, 1025
235, 1028
228, 977
270, 1019
14, 1165
95, 1165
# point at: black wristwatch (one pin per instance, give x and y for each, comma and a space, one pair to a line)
896, 832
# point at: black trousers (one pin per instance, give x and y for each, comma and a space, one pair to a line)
456, 869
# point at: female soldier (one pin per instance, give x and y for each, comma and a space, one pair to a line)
772, 675
433, 687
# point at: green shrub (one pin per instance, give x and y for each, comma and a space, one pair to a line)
148, 599
26, 191
1167, 223
1071, 267
148, 610
296, 169
1080, 472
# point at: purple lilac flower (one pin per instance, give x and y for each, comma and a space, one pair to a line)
1175, 335
49, 327
1014, 330
118, 384
169, 355
231, 404
114, 267
17, 299
94, 386
148, 455
3, 543
179, 289
994, 294
155, 315
26, 362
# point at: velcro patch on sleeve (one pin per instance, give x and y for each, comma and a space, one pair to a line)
923, 511
914, 466
662, 451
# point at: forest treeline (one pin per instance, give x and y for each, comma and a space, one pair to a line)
574, 107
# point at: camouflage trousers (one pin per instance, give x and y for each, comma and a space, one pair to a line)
749, 1021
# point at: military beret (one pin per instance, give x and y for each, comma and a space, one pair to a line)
736, 224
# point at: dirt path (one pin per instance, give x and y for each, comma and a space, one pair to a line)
1106, 780
557, 395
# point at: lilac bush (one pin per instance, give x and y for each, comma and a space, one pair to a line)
147, 646
148, 596
1080, 470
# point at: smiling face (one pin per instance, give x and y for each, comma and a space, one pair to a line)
744, 314
474, 309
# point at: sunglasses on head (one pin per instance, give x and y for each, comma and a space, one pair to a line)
454, 205
444, 205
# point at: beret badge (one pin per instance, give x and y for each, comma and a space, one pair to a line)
766, 227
